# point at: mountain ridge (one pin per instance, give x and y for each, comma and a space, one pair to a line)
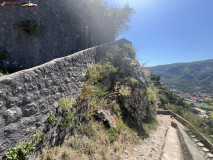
187, 77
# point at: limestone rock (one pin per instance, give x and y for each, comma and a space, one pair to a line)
106, 117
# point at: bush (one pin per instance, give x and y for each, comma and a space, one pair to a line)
113, 135
66, 103
30, 27
66, 120
19, 152
134, 82
38, 137
51, 119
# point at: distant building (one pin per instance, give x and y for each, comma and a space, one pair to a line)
194, 99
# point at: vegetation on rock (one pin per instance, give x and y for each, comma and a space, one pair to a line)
100, 13
104, 89
22, 150
51, 119
30, 27
66, 103
67, 119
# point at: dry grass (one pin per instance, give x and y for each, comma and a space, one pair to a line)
91, 141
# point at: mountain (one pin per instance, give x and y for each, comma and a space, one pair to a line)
187, 77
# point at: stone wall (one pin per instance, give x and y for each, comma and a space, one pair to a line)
63, 28
27, 97
184, 122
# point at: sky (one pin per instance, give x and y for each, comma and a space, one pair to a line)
170, 31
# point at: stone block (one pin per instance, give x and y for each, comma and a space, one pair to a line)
196, 140
210, 155
200, 144
204, 149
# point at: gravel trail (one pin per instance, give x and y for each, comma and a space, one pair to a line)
151, 147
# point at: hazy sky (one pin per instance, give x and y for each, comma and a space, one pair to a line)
169, 31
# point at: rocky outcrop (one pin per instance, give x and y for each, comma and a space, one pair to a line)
107, 118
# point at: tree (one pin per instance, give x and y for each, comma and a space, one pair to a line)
120, 19
101, 14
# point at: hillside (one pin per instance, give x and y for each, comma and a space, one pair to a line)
187, 77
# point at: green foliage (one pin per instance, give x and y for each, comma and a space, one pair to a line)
113, 135
150, 95
132, 52
149, 123
102, 15
66, 103
164, 94
118, 54
51, 119
30, 27
201, 124
116, 108
134, 82
97, 86
163, 99
67, 119
1, 74
19, 152
121, 18
100, 73
38, 137
187, 76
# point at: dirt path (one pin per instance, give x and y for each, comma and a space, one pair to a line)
151, 147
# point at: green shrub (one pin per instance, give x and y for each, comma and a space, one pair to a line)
116, 108
134, 82
19, 152
30, 27
113, 135
67, 119
38, 137
66, 103
132, 52
51, 119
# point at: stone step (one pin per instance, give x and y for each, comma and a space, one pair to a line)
204, 149
172, 148
196, 140
200, 144
210, 155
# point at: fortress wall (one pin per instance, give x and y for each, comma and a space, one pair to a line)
63, 28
